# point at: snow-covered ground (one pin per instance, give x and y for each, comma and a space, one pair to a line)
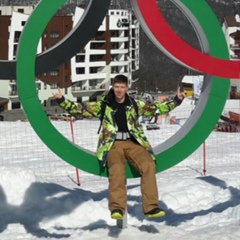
32, 207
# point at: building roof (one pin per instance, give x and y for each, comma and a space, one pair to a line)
189, 79
231, 21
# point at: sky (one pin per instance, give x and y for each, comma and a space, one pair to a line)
33, 206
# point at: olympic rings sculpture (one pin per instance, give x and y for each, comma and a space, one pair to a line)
212, 60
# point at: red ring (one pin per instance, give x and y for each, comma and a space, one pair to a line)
180, 49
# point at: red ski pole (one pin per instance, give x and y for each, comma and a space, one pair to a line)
72, 132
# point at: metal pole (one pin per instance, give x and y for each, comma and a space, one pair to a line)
204, 159
122, 223
72, 131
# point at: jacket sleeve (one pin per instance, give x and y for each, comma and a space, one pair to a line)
84, 109
168, 106
146, 108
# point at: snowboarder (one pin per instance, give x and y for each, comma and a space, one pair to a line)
122, 139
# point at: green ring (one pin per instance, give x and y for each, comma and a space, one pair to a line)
217, 94
63, 147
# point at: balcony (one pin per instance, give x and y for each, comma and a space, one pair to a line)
235, 57
235, 46
13, 93
12, 82
88, 91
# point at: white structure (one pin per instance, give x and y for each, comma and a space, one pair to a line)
196, 81
8, 10
231, 29
114, 51
231, 25
20, 14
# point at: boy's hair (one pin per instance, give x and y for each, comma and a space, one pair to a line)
120, 79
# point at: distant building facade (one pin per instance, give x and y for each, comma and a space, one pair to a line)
114, 50
231, 29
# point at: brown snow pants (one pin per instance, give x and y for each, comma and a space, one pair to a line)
142, 161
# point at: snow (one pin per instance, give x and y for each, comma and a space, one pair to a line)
197, 207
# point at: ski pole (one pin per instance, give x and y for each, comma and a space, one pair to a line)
73, 140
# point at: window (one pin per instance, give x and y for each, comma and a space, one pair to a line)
80, 58
54, 35
114, 69
96, 45
23, 23
114, 33
114, 57
133, 65
80, 70
93, 69
54, 72
14, 87
15, 49
79, 99
20, 10
96, 58
17, 35
92, 98
38, 86
14, 90
16, 105
126, 33
54, 85
125, 22
115, 45
133, 55
133, 44
93, 82
53, 102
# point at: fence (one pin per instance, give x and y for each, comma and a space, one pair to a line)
21, 147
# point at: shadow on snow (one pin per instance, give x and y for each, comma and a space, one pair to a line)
49, 200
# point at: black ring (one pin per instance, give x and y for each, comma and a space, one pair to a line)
68, 46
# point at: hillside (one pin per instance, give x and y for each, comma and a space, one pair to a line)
159, 70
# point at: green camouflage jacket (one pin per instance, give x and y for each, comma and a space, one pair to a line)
109, 126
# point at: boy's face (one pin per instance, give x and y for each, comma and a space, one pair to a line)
120, 90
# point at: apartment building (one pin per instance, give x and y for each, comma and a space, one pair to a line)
231, 29
12, 21
114, 50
